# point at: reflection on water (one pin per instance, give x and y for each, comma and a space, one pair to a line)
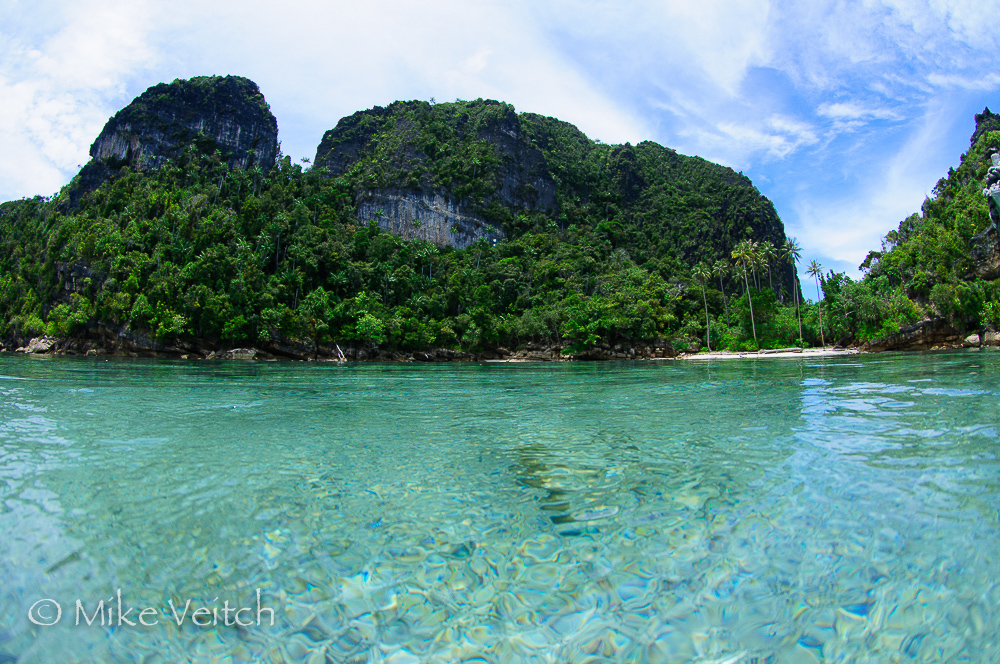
768, 511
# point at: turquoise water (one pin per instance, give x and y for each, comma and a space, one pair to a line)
830, 510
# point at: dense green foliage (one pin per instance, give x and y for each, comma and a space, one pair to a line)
666, 210
936, 264
196, 252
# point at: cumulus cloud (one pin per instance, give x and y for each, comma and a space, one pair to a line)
63, 70
317, 61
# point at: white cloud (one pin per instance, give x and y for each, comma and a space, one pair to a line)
846, 230
102, 41
477, 63
717, 40
315, 62
62, 72
983, 82
324, 61
854, 111
736, 144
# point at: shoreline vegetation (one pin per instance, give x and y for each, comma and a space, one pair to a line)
457, 230
530, 353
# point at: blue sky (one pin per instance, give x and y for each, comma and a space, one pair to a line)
845, 114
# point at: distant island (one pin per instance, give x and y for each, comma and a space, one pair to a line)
460, 230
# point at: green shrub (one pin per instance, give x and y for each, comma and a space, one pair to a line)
945, 300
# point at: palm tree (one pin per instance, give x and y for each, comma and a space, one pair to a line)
757, 261
702, 274
744, 254
815, 270
721, 268
768, 254
793, 252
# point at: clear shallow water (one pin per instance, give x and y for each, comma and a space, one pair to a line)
838, 510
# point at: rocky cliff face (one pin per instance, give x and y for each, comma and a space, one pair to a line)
212, 113
427, 216
925, 335
513, 173
524, 180
484, 165
985, 253
985, 122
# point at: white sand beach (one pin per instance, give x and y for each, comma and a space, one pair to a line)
765, 354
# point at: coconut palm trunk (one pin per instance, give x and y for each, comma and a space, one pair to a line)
708, 327
725, 304
798, 309
793, 253
702, 273
744, 253
819, 303
753, 325
814, 270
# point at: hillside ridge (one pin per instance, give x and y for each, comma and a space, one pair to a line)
463, 225
210, 113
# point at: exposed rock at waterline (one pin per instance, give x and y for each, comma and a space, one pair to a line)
925, 335
37, 345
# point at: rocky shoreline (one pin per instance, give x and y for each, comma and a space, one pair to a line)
934, 334
137, 346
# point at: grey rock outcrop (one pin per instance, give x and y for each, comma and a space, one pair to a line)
986, 121
211, 113
992, 190
427, 216
925, 335
408, 193
985, 253
235, 354
38, 345
524, 178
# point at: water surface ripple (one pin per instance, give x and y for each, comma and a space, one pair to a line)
833, 510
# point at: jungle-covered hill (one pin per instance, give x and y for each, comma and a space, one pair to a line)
461, 225
936, 276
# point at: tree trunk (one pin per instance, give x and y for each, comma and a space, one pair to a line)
724, 303
708, 329
819, 303
753, 325
798, 309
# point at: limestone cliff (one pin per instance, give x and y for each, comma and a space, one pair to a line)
500, 168
211, 113
477, 169
427, 216
986, 121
